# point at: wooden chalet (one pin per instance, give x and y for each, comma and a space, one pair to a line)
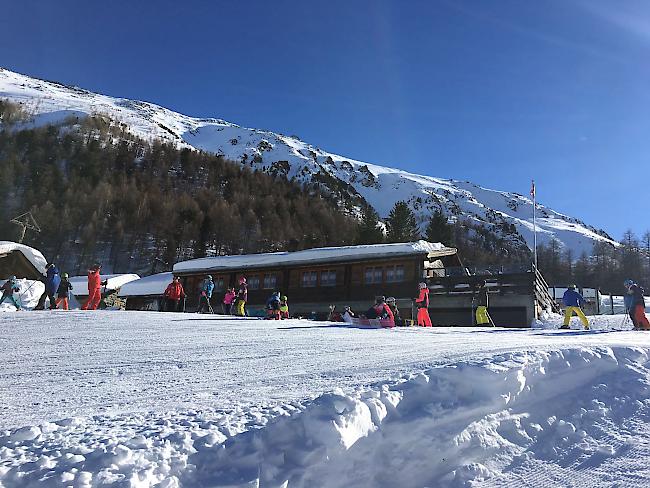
315, 279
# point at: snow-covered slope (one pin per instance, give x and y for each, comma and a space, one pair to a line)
506, 214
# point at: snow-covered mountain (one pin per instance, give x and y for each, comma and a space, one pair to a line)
504, 213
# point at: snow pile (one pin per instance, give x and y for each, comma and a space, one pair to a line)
114, 282
545, 416
312, 256
28, 295
149, 285
33, 255
269, 151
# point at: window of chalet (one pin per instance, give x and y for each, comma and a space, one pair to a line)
219, 284
394, 273
328, 278
309, 279
374, 274
254, 282
270, 281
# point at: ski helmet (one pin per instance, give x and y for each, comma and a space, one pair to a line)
65, 275
242, 280
12, 278
422, 285
391, 300
628, 283
572, 287
283, 298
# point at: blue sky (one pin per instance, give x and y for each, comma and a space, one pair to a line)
494, 92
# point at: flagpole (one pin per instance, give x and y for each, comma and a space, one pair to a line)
534, 192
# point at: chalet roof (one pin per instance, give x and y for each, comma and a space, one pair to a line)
21, 260
149, 285
314, 256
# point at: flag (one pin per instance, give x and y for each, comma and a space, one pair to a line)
532, 189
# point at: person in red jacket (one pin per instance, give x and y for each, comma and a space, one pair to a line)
422, 302
94, 288
174, 293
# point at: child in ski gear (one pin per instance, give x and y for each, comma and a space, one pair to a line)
284, 307
242, 298
637, 305
94, 288
206, 294
63, 293
8, 288
482, 302
392, 304
228, 300
273, 306
422, 302
173, 295
572, 301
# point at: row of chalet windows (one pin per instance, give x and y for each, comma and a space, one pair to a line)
312, 279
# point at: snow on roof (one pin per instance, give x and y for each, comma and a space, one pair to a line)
149, 285
321, 254
114, 282
33, 255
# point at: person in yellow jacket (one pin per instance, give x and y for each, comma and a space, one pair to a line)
284, 307
573, 301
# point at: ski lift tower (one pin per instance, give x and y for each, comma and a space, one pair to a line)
26, 221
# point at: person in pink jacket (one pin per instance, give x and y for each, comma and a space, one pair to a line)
228, 300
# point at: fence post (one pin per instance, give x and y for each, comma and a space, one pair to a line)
611, 302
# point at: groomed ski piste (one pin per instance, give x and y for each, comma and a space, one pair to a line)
146, 399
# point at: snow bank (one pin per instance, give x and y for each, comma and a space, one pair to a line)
149, 285
322, 254
33, 255
114, 282
548, 416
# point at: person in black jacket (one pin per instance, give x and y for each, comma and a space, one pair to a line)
63, 292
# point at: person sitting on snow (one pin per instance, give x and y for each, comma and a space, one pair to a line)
63, 293
392, 304
348, 315
380, 310
273, 306
636, 306
8, 288
572, 301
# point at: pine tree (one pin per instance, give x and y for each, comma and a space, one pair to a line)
401, 225
370, 231
438, 229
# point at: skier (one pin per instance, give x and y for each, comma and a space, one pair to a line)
63, 292
392, 304
637, 305
206, 294
94, 288
482, 300
284, 307
8, 288
572, 301
422, 302
242, 298
173, 295
52, 280
348, 315
228, 300
273, 306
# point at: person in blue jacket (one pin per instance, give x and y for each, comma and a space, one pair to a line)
205, 294
573, 301
52, 282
